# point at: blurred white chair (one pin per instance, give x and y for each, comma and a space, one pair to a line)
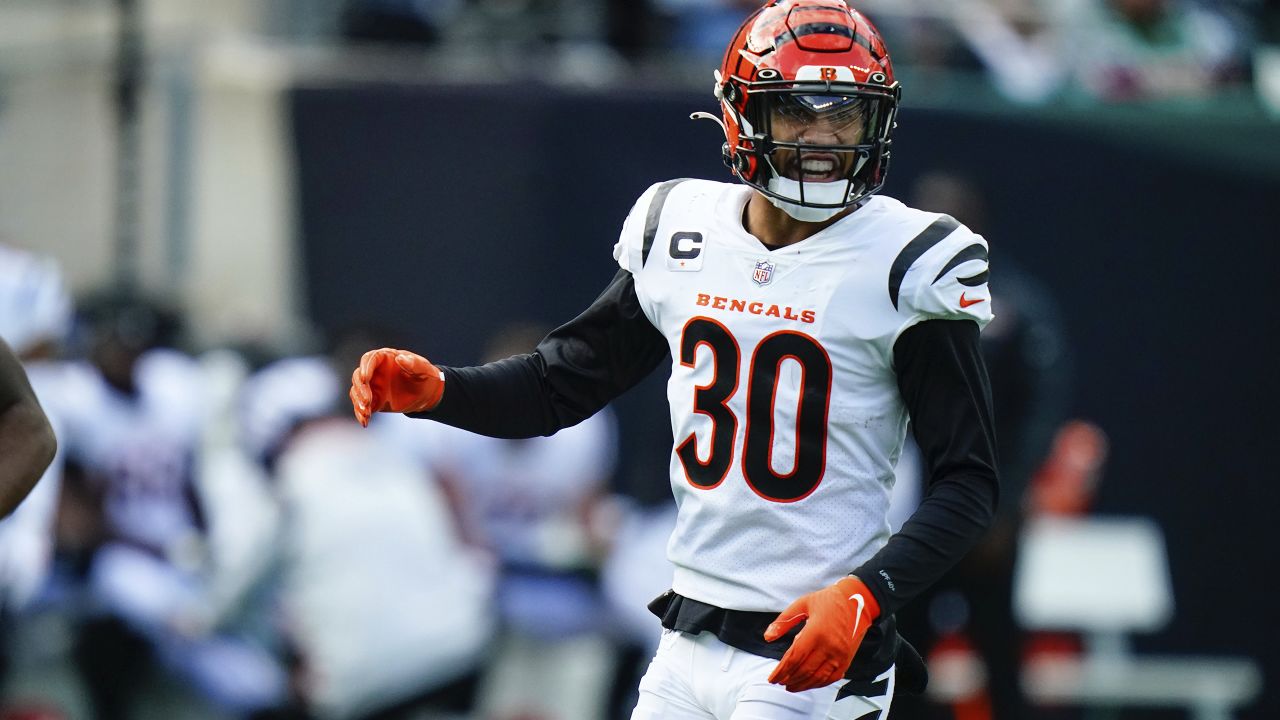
1106, 578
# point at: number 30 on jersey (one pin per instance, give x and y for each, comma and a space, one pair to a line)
712, 400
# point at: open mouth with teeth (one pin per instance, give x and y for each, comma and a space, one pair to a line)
817, 167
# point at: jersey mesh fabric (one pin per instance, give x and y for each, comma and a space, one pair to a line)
735, 544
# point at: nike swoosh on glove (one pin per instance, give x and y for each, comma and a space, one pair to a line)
390, 380
836, 619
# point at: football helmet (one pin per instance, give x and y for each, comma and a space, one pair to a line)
809, 102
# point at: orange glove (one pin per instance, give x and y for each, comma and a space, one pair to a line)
836, 618
390, 380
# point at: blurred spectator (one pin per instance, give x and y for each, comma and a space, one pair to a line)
702, 27
385, 612
1020, 49
929, 53
397, 21
1132, 50
1025, 350
132, 524
535, 504
1266, 59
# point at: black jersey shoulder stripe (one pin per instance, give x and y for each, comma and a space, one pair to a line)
918, 246
655, 214
976, 280
973, 252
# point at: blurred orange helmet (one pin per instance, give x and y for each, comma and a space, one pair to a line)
823, 60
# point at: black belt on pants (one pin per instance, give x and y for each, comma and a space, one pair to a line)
744, 630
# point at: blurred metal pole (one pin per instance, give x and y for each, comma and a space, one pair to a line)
128, 91
177, 225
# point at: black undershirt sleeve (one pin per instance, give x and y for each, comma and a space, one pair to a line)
943, 381
574, 371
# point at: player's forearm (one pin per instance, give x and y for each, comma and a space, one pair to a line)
948, 523
944, 384
575, 371
27, 446
508, 399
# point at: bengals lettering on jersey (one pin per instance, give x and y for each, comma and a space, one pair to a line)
784, 403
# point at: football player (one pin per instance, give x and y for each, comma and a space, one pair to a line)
133, 440
807, 319
27, 443
35, 313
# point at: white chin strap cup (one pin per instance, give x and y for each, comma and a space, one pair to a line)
832, 193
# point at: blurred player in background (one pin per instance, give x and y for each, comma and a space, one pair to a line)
35, 313
385, 612
536, 505
133, 522
31, 300
27, 442
807, 318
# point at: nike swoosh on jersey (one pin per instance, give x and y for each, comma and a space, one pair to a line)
964, 302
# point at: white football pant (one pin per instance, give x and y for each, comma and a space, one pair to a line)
698, 677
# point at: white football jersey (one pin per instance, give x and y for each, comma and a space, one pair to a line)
141, 447
784, 403
525, 495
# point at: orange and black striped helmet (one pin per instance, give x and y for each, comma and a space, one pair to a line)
818, 58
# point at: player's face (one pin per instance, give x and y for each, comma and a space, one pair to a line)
817, 120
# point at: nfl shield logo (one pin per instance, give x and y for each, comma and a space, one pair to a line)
763, 272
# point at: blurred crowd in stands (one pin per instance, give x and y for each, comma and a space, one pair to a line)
1031, 51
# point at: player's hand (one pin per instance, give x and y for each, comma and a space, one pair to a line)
836, 619
390, 380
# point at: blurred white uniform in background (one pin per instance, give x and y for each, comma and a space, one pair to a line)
381, 599
381, 596
533, 503
637, 571
139, 450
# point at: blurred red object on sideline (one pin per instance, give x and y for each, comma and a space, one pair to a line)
1067, 482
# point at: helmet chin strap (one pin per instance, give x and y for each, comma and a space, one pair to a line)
835, 193
805, 214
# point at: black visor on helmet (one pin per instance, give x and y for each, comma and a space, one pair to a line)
842, 115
